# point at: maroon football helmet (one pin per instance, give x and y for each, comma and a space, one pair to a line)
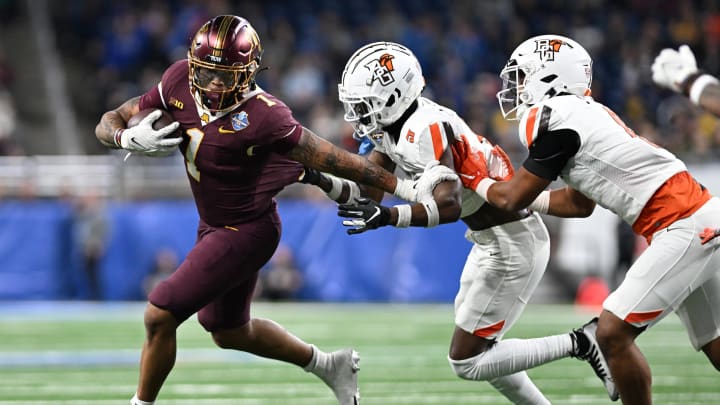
224, 57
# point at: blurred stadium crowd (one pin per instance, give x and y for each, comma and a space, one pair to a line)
114, 50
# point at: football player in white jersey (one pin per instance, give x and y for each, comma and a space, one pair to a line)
677, 70
546, 86
380, 90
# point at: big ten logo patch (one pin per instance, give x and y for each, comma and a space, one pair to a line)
382, 69
176, 103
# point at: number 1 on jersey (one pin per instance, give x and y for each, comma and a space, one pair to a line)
196, 137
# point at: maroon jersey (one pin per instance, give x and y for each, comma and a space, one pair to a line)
235, 163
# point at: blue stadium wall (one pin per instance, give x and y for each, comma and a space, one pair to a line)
40, 258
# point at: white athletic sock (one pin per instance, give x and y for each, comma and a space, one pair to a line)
319, 362
513, 355
136, 401
519, 389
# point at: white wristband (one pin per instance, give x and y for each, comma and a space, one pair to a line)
404, 215
541, 203
483, 186
336, 189
354, 191
433, 214
699, 85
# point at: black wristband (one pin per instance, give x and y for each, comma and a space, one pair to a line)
311, 176
686, 85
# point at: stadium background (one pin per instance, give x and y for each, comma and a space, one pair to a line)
73, 212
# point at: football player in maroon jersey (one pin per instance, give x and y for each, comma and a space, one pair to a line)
241, 147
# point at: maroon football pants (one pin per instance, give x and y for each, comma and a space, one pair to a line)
218, 276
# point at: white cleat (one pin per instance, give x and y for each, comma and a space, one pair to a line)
595, 357
342, 376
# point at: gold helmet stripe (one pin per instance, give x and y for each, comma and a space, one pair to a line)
222, 36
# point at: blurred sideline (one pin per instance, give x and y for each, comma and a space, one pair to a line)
93, 248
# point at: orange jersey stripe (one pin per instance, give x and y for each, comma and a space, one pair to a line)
678, 198
641, 317
530, 125
489, 330
436, 140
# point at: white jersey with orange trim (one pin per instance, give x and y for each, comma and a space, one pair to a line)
613, 166
424, 137
499, 276
594, 152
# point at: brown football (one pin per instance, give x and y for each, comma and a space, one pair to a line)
164, 120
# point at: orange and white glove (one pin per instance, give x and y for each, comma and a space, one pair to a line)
499, 166
708, 234
470, 164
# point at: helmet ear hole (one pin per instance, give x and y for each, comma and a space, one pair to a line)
549, 78
390, 101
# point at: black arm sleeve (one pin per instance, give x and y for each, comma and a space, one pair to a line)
551, 151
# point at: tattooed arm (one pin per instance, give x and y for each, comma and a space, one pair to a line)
115, 119
317, 153
386, 163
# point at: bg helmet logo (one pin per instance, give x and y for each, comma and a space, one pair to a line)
381, 69
548, 47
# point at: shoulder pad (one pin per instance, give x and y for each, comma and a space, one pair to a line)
534, 122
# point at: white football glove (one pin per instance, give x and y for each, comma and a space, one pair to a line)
143, 138
434, 174
405, 189
671, 67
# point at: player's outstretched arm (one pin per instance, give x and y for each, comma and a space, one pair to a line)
514, 194
526, 190
568, 203
386, 163
516, 189
345, 191
443, 206
317, 153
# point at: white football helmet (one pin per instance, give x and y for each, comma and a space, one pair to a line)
543, 67
380, 81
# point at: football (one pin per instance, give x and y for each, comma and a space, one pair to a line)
164, 120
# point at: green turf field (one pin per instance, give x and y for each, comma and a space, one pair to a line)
86, 354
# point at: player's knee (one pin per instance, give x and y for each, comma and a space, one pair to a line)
470, 368
158, 321
226, 339
614, 335
236, 338
222, 340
